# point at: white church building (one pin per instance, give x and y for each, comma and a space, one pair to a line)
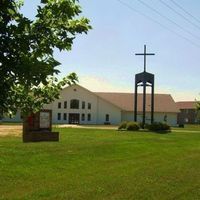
77, 105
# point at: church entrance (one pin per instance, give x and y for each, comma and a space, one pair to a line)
74, 118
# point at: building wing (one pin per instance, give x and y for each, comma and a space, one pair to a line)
186, 104
162, 102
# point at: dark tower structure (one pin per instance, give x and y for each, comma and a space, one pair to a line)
144, 79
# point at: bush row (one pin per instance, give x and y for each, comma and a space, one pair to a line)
158, 126
135, 126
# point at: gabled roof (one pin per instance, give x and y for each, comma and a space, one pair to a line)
125, 101
162, 102
186, 104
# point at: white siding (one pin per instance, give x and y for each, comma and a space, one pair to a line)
99, 107
127, 116
107, 108
171, 118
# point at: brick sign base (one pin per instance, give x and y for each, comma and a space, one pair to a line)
40, 136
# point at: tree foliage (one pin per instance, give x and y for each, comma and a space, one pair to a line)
198, 111
31, 99
27, 46
198, 105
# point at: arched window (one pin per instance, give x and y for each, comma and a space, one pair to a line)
74, 104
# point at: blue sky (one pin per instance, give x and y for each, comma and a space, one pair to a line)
104, 58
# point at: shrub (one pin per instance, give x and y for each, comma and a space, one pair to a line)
158, 126
132, 126
146, 126
165, 127
122, 125
181, 125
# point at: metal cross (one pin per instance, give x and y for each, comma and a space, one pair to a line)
145, 54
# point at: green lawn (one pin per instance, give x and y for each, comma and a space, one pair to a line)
192, 127
90, 164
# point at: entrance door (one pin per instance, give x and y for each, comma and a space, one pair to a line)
74, 118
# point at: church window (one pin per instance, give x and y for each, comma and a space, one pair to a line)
83, 104
74, 104
65, 116
59, 104
83, 117
59, 116
89, 117
89, 106
65, 104
107, 118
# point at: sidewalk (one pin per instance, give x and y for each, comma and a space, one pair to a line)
108, 127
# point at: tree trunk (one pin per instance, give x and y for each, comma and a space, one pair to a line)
25, 128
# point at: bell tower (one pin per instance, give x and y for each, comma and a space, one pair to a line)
144, 79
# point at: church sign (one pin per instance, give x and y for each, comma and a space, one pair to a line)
38, 127
45, 120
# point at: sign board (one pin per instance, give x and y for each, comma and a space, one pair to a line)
45, 120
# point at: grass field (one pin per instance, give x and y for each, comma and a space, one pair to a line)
192, 127
90, 164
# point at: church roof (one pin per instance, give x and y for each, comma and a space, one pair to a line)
125, 101
186, 104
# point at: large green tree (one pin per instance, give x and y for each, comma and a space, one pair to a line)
27, 46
